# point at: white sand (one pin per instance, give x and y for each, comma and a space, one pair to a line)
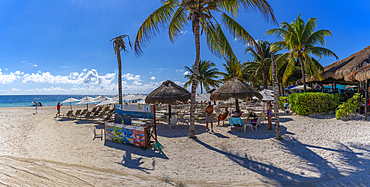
40, 150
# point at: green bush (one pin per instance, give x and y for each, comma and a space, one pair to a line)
313, 102
282, 100
348, 107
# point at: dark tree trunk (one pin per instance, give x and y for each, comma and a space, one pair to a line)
119, 76
303, 73
276, 98
195, 76
201, 88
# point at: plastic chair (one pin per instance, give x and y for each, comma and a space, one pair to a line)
172, 121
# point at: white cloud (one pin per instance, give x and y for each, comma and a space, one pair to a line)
34, 65
85, 77
64, 66
186, 72
136, 83
5, 68
84, 69
24, 61
150, 72
162, 69
152, 78
8, 78
183, 32
180, 70
130, 77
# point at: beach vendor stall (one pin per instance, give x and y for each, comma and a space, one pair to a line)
134, 125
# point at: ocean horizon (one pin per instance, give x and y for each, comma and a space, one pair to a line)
46, 100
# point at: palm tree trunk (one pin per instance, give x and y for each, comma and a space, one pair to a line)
264, 77
195, 77
276, 98
303, 73
119, 76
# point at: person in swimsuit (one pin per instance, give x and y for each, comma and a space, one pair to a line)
209, 118
269, 115
58, 109
222, 115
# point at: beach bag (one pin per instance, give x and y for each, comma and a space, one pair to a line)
254, 122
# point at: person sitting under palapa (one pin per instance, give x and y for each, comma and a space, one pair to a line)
223, 115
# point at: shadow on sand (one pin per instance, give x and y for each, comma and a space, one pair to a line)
279, 177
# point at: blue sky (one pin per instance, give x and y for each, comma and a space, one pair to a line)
63, 46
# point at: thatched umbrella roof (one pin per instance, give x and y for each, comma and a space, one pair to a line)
168, 93
360, 75
341, 70
235, 88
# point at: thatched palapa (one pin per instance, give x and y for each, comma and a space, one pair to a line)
360, 75
341, 70
168, 93
235, 88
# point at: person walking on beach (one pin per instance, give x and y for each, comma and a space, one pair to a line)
58, 109
209, 112
269, 115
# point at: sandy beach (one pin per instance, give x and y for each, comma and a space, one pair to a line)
41, 150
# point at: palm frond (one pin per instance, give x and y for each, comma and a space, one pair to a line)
177, 23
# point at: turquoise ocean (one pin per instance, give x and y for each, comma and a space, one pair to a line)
46, 100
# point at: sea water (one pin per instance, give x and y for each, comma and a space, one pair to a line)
46, 100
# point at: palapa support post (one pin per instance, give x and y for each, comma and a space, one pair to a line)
236, 105
358, 87
335, 86
169, 111
366, 93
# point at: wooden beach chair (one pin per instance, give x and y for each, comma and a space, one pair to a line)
77, 113
86, 116
68, 114
94, 109
84, 112
102, 119
98, 135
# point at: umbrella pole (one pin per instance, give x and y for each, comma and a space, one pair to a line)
169, 111
236, 105
87, 105
70, 104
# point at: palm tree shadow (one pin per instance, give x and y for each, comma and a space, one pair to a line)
129, 162
279, 176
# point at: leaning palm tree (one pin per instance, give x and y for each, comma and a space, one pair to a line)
261, 64
119, 45
300, 39
207, 75
176, 14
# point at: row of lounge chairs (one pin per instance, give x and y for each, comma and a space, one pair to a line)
97, 114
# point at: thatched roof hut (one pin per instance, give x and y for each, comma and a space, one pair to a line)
342, 69
234, 88
360, 75
168, 93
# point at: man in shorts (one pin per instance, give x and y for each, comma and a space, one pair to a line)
209, 116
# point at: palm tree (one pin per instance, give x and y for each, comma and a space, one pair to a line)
300, 39
233, 69
207, 75
260, 67
176, 14
119, 45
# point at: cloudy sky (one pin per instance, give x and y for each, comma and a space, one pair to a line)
63, 46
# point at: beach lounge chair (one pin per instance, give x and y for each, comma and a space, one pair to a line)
259, 120
77, 113
94, 109
102, 119
96, 113
84, 112
86, 116
68, 114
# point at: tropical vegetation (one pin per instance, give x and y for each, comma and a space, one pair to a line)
207, 75
299, 38
200, 14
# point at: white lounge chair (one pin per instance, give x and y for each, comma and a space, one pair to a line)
172, 121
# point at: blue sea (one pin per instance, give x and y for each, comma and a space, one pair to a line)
46, 100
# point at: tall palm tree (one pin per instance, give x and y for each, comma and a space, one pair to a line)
233, 69
119, 45
207, 75
300, 39
260, 67
176, 14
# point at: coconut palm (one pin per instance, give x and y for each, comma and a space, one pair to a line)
176, 14
119, 45
259, 68
300, 39
233, 69
207, 75
276, 97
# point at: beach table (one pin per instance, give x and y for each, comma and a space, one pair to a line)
235, 120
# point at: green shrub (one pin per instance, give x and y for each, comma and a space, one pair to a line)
313, 102
282, 100
348, 107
